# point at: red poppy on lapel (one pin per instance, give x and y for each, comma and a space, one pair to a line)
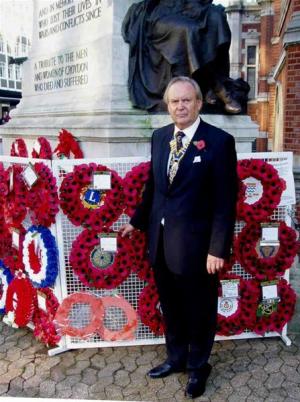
199, 144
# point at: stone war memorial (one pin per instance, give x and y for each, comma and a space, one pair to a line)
80, 75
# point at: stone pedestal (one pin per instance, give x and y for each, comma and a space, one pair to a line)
76, 78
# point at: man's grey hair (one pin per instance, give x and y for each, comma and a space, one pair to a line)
183, 79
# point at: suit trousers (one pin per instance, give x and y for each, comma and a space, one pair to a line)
189, 306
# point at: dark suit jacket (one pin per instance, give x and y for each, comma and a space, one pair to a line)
198, 207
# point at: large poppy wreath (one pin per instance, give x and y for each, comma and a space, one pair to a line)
276, 320
98, 268
272, 184
134, 183
40, 256
94, 209
267, 267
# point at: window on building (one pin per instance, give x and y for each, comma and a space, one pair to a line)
8, 49
18, 73
1, 46
17, 50
251, 70
2, 70
11, 72
23, 48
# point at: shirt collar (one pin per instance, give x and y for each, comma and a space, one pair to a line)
189, 131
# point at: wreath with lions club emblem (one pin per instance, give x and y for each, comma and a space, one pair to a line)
91, 208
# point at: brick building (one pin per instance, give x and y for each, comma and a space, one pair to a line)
266, 52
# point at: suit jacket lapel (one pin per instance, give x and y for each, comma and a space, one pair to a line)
164, 157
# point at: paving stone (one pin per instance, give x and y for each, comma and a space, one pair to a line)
3, 366
89, 376
276, 396
3, 388
30, 392
78, 367
64, 393
146, 358
274, 381
240, 379
273, 365
47, 389
80, 391
292, 389
98, 362
29, 371
86, 354
99, 386
113, 392
116, 356
122, 378
109, 370
10, 375
68, 382
57, 373
129, 363
15, 387
67, 360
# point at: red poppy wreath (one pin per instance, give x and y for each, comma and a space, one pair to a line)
18, 148
276, 320
272, 184
134, 183
15, 202
268, 267
98, 268
42, 149
140, 262
244, 316
44, 327
42, 197
84, 206
148, 309
128, 329
96, 314
20, 301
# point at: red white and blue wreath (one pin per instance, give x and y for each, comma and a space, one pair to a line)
40, 256
5, 278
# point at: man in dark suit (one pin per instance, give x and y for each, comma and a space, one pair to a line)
188, 211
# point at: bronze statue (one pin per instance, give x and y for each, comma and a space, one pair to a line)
169, 38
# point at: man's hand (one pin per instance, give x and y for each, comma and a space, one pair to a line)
126, 229
214, 264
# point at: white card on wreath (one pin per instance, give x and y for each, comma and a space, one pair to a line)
269, 236
109, 243
30, 176
269, 292
102, 180
15, 239
230, 287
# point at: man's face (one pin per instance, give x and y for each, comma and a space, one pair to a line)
183, 105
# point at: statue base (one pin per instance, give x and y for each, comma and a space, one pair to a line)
115, 133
